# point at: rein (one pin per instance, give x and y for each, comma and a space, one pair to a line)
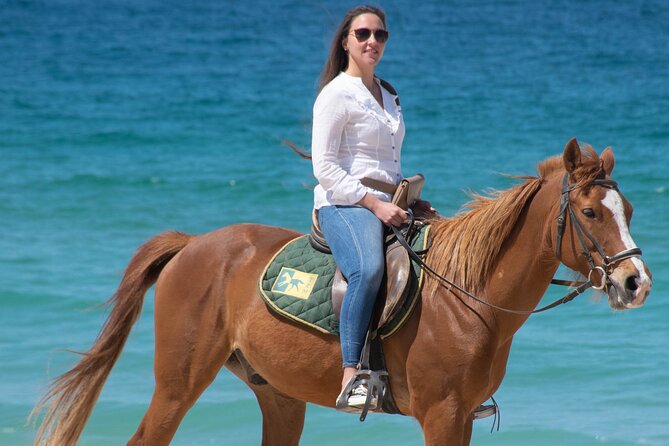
582, 233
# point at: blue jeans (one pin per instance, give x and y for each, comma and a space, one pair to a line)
355, 236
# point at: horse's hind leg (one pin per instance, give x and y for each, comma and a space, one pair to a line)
178, 386
191, 347
167, 409
282, 417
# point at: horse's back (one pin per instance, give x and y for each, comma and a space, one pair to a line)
223, 264
249, 233
239, 244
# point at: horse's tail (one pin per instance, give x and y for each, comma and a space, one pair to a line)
71, 397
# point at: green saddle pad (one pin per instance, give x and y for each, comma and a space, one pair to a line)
297, 284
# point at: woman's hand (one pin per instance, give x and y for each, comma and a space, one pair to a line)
388, 213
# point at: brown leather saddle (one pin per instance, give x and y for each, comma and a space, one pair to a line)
398, 271
398, 265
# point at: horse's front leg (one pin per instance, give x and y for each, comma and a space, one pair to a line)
446, 423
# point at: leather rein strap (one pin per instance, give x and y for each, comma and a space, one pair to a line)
582, 233
450, 284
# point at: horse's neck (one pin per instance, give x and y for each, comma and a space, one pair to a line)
526, 264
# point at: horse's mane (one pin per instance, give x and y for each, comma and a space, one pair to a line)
466, 247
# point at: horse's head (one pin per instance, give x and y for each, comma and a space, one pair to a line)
593, 235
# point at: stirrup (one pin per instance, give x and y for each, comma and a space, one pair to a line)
485, 411
376, 385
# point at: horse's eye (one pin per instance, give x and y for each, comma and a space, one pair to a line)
589, 213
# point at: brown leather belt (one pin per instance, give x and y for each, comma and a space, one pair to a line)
379, 185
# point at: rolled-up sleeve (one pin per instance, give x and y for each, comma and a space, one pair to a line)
330, 118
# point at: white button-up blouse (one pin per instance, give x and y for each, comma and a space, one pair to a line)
354, 137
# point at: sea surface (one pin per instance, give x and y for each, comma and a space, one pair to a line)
120, 119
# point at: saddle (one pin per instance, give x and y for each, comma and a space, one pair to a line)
396, 279
297, 283
398, 265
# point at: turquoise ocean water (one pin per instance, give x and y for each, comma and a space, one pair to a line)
121, 119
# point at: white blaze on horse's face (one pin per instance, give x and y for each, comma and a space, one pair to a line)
632, 287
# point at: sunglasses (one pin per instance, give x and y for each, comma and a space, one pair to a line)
363, 34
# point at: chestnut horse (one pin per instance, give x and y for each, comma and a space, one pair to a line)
449, 356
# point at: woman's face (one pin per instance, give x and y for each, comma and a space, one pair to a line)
368, 53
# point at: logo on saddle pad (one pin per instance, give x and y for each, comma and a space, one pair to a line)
294, 283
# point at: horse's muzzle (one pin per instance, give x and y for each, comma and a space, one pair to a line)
630, 285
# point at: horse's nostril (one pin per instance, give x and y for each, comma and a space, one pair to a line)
630, 283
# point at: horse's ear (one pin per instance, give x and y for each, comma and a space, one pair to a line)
571, 157
607, 160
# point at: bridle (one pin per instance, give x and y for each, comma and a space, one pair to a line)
565, 207
582, 233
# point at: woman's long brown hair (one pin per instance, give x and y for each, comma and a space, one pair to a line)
337, 60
